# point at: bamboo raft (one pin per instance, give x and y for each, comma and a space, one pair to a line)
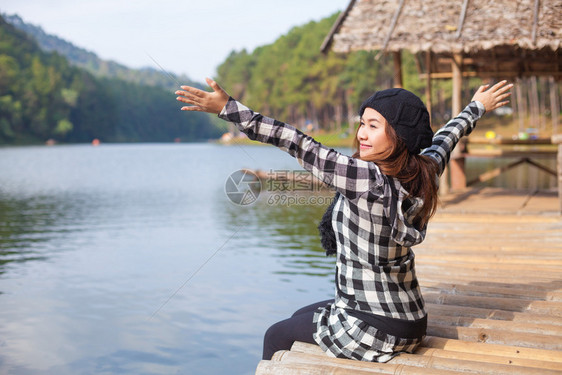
491, 275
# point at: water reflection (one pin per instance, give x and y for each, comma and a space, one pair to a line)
288, 231
28, 228
522, 177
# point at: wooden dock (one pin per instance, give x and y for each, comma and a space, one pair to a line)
491, 275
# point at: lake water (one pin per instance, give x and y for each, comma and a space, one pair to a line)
131, 259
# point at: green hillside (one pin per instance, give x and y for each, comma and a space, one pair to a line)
42, 96
150, 76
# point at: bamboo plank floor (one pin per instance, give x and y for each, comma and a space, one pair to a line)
491, 275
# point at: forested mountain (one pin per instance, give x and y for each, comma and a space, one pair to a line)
293, 81
43, 97
151, 76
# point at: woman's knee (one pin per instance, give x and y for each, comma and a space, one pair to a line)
299, 327
275, 339
280, 333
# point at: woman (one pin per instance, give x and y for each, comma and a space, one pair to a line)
386, 194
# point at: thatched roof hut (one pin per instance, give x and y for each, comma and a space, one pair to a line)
504, 38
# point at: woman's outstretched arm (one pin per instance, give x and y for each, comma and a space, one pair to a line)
484, 100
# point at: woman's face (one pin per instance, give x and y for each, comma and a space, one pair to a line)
371, 134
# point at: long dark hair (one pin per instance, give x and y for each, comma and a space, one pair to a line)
416, 173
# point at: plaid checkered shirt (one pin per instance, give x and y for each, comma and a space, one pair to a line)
373, 223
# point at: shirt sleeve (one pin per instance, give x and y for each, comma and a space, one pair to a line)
446, 138
352, 177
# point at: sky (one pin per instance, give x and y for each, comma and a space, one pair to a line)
183, 37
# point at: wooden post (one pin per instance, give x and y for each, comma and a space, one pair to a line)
557, 139
428, 83
521, 104
457, 83
397, 58
533, 93
456, 165
554, 109
443, 180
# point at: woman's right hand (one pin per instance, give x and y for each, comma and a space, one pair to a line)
493, 97
203, 101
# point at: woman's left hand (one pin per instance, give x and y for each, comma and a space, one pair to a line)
203, 101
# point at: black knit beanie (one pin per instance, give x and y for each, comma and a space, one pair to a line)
407, 115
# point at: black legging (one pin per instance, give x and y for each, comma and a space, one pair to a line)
298, 327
